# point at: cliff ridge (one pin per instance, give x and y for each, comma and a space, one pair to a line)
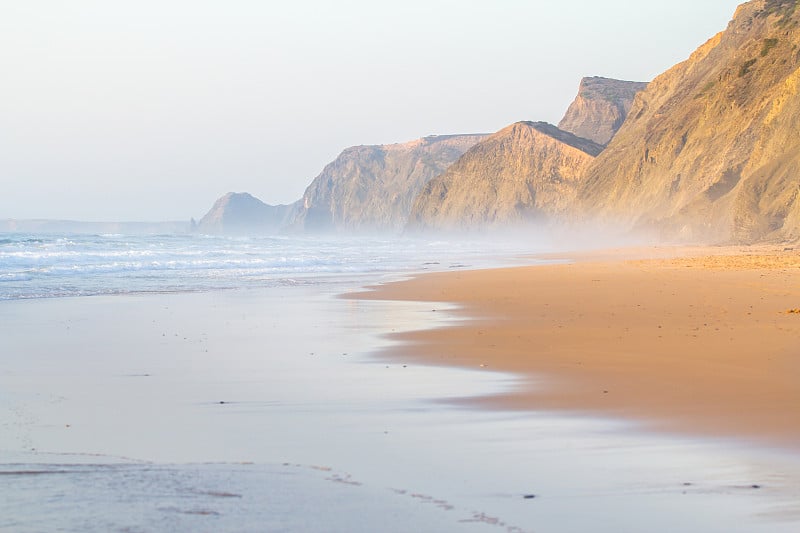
524, 172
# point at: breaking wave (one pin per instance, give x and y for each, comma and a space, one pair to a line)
42, 266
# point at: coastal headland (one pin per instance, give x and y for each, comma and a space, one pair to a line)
701, 341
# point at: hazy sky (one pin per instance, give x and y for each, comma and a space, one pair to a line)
150, 110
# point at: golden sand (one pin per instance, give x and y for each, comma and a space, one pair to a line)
693, 340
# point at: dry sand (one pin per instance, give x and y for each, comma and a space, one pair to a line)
703, 341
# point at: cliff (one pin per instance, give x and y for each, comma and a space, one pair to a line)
241, 213
371, 188
711, 149
600, 108
521, 173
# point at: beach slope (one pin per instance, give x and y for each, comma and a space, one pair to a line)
703, 341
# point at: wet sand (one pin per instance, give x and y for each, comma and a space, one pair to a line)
266, 410
701, 341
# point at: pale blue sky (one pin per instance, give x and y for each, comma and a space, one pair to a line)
144, 109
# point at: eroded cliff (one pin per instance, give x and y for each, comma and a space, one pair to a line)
371, 188
521, 173
711, 149
242, 213
600, 108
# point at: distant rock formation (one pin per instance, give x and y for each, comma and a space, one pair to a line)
242, 213
521, 173
371, 188
600, 108
708, 151
711, 149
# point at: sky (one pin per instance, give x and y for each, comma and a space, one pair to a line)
116, 110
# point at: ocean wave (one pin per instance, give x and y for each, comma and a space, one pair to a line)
35, 266
15, 276
6, 241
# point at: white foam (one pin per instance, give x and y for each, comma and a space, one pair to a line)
43, 266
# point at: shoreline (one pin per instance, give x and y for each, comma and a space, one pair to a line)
219, 393
693, 340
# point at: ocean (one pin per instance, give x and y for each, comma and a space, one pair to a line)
195, 383
64, 265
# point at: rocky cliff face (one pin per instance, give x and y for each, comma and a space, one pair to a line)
371, 188
711, 149
242, 213
521, 173
600, 108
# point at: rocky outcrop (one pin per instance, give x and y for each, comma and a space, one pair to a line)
711, 149
600, 108
242, 213
524, 172
371, 188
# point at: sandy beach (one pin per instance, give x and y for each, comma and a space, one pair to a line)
701, 341
267, 409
